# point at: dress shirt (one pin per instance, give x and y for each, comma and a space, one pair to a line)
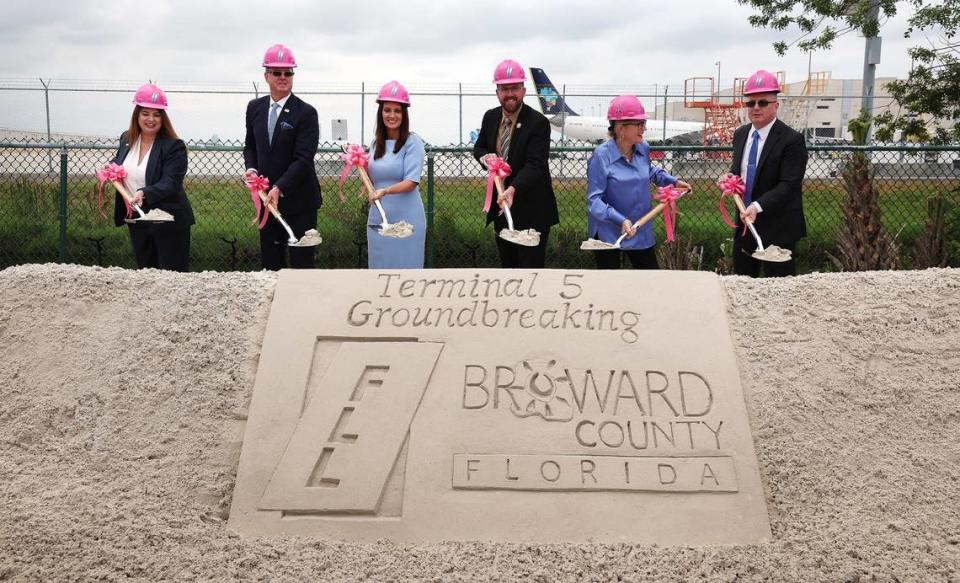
618, 189
135, 168
744, 162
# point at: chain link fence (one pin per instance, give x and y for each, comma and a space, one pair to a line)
49, 212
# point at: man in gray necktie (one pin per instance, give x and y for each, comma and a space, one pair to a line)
272, 121
282, 137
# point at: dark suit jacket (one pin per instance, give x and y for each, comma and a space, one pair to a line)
778, 184
288, 160
166, 167
535, 204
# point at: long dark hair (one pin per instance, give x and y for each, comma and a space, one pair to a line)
166, 128
381, 136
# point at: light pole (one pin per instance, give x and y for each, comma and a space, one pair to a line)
718, 80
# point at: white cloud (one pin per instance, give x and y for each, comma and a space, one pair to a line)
421, 42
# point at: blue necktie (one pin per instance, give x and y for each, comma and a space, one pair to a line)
272, 122
751, 167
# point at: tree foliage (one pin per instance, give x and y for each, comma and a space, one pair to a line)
863, 243
932, 89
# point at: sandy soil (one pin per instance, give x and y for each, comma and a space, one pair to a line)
123, 396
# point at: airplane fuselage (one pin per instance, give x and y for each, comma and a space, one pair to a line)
594, 129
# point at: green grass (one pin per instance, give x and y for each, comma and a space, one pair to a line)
29, 224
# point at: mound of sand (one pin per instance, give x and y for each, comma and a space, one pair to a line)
123, 398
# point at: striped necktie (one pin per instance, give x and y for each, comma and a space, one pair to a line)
505, 137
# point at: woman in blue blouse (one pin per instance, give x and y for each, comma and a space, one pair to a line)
618, 187
395, 169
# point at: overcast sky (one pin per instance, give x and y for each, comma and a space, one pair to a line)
599, 45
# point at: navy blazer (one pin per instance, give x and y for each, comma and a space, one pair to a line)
166, 167
288, 160
778, 183
535, 204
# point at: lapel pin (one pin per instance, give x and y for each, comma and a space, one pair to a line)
285, 110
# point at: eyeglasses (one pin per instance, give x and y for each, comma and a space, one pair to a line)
761, 102
282, 73
642, 124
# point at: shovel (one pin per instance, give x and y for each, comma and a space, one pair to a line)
311, 238
771, 253
154, 216
527, 237
598, 245
398, 230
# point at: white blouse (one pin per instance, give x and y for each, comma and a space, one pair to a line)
136, 172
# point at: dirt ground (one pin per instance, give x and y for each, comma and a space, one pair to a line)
123, 396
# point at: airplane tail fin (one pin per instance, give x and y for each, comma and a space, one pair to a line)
551, 102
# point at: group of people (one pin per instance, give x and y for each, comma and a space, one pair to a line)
282, 134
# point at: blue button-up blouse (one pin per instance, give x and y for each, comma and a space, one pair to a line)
618, 190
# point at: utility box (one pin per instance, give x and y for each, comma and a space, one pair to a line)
338, 130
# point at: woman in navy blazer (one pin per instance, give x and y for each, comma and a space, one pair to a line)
155, 161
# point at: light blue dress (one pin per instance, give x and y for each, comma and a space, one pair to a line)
389, 252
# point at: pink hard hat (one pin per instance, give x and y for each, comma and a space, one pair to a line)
151, 96
279, 57
761, 82
509, 71
626, 107
394, 91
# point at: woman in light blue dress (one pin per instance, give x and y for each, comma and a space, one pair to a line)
395, 168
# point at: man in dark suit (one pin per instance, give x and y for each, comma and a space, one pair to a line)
282, 137
520, 135
772, 159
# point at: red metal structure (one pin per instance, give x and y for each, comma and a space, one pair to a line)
721, 115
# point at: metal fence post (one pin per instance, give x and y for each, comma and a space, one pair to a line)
429, 262
46, 104
63, 204
460, 135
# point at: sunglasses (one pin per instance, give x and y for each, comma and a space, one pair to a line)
282, 73
762, 103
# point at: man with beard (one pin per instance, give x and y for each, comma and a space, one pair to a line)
521, 136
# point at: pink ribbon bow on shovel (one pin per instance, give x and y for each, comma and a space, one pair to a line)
355, 156
258, 184
497, 167
731, 186
112, 172
667, 196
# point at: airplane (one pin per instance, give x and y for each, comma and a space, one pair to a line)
594, 129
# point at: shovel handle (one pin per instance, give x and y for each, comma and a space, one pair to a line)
506, 208
649, 216
739, 202
365, 178
499, 183
273, 210
126, 195
643, 221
